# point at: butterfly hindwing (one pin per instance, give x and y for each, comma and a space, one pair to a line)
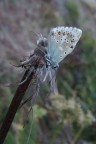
62, 41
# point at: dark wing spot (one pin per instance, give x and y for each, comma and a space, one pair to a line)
63, 33
71, 47
72, 40
59, 33
52, 33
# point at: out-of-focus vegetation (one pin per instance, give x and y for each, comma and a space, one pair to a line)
65, 118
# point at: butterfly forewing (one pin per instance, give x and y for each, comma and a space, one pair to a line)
62, 41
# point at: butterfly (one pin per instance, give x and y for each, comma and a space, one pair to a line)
61, 42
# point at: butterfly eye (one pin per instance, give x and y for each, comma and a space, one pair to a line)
43, 43
65, 52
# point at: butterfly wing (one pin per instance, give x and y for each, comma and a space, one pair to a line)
62, 41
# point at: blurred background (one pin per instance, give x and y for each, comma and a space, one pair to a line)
69, 116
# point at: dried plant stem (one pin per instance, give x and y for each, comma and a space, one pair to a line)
14, 106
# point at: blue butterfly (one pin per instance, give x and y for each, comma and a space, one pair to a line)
60, 42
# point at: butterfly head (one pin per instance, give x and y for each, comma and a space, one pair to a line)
42, 41
41, 46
